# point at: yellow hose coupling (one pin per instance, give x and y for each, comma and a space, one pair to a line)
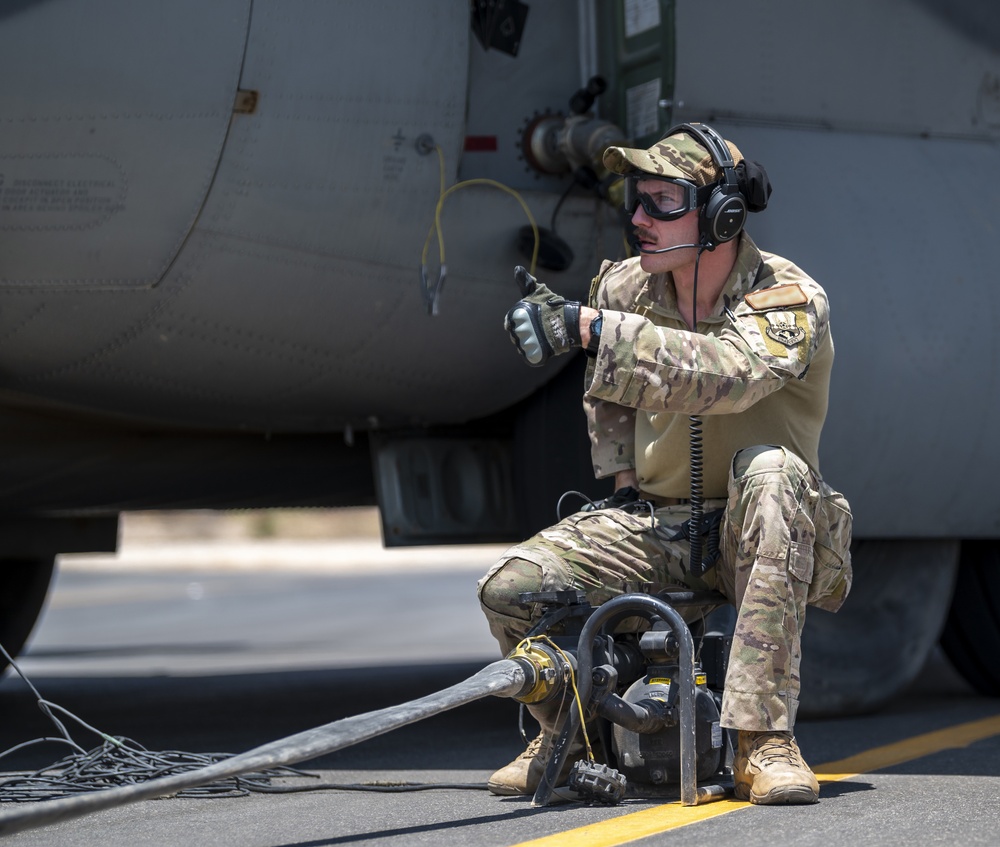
546, 665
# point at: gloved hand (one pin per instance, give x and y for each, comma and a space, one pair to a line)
542, 324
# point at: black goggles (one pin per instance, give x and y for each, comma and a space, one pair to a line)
665, 198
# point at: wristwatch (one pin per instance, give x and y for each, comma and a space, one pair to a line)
595, 334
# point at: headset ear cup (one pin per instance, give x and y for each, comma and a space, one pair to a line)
723, 217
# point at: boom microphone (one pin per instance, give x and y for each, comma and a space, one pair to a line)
668, 249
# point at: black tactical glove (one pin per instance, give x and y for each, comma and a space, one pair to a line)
542, 324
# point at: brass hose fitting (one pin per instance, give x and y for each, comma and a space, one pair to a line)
548, 670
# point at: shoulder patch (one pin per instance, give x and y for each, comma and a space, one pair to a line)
779, 297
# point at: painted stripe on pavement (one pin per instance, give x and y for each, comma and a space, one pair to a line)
628, 828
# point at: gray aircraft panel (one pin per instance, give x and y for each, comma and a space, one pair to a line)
302, 270
887, 59
109, 148
327, 165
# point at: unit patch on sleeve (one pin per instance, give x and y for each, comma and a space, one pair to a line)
781, 321
781, 326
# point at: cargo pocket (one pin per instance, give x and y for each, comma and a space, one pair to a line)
801, 562
832, 575
608, 551
601, 527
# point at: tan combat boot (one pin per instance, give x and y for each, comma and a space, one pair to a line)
770, 770
523, 775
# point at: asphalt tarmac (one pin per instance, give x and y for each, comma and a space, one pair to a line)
209, 648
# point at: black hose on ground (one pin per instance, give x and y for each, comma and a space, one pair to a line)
506, 678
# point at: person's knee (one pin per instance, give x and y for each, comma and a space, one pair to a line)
501, 590
766, 460
761, 459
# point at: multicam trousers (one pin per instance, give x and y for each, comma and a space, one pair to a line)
785, 544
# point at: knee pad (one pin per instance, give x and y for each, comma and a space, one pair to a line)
500, 591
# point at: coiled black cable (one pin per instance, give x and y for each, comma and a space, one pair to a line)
116, 761
695, 565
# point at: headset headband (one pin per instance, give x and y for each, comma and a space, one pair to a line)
717, 149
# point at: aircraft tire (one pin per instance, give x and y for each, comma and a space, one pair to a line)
971, 637
854, 661
25, 586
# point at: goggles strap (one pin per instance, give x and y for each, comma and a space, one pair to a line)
701, 194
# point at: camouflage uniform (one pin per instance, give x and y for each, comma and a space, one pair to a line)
758, 370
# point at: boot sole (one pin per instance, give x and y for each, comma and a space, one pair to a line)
786, 795
507, 790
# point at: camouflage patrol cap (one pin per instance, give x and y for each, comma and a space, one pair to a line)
679, 156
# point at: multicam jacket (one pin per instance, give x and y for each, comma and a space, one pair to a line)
758, 370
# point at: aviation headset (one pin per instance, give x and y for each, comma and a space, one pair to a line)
743, 188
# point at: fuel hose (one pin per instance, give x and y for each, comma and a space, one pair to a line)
505, 678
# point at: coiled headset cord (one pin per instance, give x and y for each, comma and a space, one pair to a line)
696, 456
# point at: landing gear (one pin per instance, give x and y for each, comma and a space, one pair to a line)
25, 584
856, 660
971, 637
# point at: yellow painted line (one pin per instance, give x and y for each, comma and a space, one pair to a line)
628, 828
622, 830
950, 738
